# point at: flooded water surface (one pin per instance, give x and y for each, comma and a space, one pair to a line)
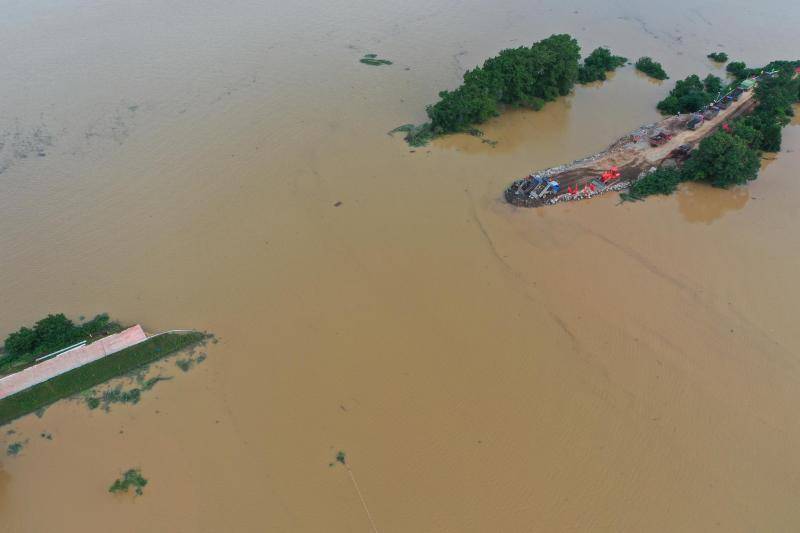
593, 366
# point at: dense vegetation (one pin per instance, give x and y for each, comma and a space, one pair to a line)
528, 76
597, 64
50, 334
732, 157
651, 68
690, 95
100, 371
719, 57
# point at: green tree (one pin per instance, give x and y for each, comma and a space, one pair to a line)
771, 137
722, 160
713, 85
54, 332
20, 342
669, 105
748, 130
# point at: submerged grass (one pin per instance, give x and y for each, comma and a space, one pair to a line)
14, 448
188, 363
119, 395
95, 373
416, 136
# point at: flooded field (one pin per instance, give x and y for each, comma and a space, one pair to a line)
585, 367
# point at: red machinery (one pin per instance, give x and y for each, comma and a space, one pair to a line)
659, 138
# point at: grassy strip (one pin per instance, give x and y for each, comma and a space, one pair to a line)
100, 371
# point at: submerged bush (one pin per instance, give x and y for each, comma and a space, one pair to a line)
416, 135
131, 478
719, 57
651, 68
372, 60
597, 63
662, 181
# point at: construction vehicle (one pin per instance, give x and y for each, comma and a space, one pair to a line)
681, 152
544, 188
711, 112
659, 138
535, 187
695, 122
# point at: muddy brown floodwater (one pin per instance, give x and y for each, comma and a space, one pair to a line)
587, 367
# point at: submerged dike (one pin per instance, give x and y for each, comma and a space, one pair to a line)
651, 146
89, 371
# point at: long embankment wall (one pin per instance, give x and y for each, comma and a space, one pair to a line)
72, 359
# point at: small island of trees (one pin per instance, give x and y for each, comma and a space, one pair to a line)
719, 57
597, 64
651, 68
525, 76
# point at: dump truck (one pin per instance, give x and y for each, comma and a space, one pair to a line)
659, 138
695, 122
711, 112
681, 152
